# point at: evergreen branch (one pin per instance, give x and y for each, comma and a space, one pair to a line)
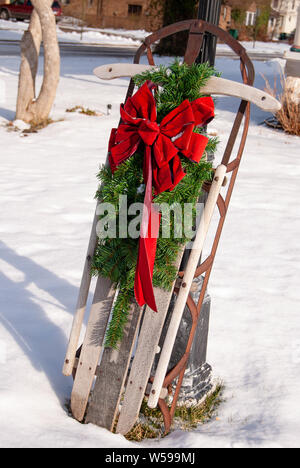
116, 258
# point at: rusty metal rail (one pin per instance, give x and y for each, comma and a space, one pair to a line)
197, 28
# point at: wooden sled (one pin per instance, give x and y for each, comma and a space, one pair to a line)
125, 373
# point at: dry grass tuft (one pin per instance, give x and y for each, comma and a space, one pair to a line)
289, 117
150, 424
141, 432
83, 110
289, 114
194, 415
34, 126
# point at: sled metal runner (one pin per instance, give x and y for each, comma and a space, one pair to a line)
113, 374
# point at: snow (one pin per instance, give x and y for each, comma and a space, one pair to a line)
12, 30
48, 181
97, 37
260, 47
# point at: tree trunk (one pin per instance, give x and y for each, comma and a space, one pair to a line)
30, 49
42, 26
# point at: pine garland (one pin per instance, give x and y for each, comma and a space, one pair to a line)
116, 258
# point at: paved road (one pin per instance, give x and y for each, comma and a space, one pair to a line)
254, 55
12, 48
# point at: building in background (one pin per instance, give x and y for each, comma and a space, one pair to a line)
238, 15
251, 15
225, 18
126, 14
118, 14
283, 18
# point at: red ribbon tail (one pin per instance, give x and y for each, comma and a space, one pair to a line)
143, 287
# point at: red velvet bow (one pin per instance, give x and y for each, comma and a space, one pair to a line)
162, 165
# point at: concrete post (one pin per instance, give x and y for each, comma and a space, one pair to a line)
296, 46
292, 69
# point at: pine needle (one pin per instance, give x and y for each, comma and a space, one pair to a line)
116, 258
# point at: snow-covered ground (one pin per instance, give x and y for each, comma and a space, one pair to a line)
48, 181
260, 47
12, 30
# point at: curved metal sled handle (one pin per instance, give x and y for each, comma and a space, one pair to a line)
215, 85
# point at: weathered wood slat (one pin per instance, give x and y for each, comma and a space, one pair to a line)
113, 371
215, 85
144, 357
92, 347
81, 302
